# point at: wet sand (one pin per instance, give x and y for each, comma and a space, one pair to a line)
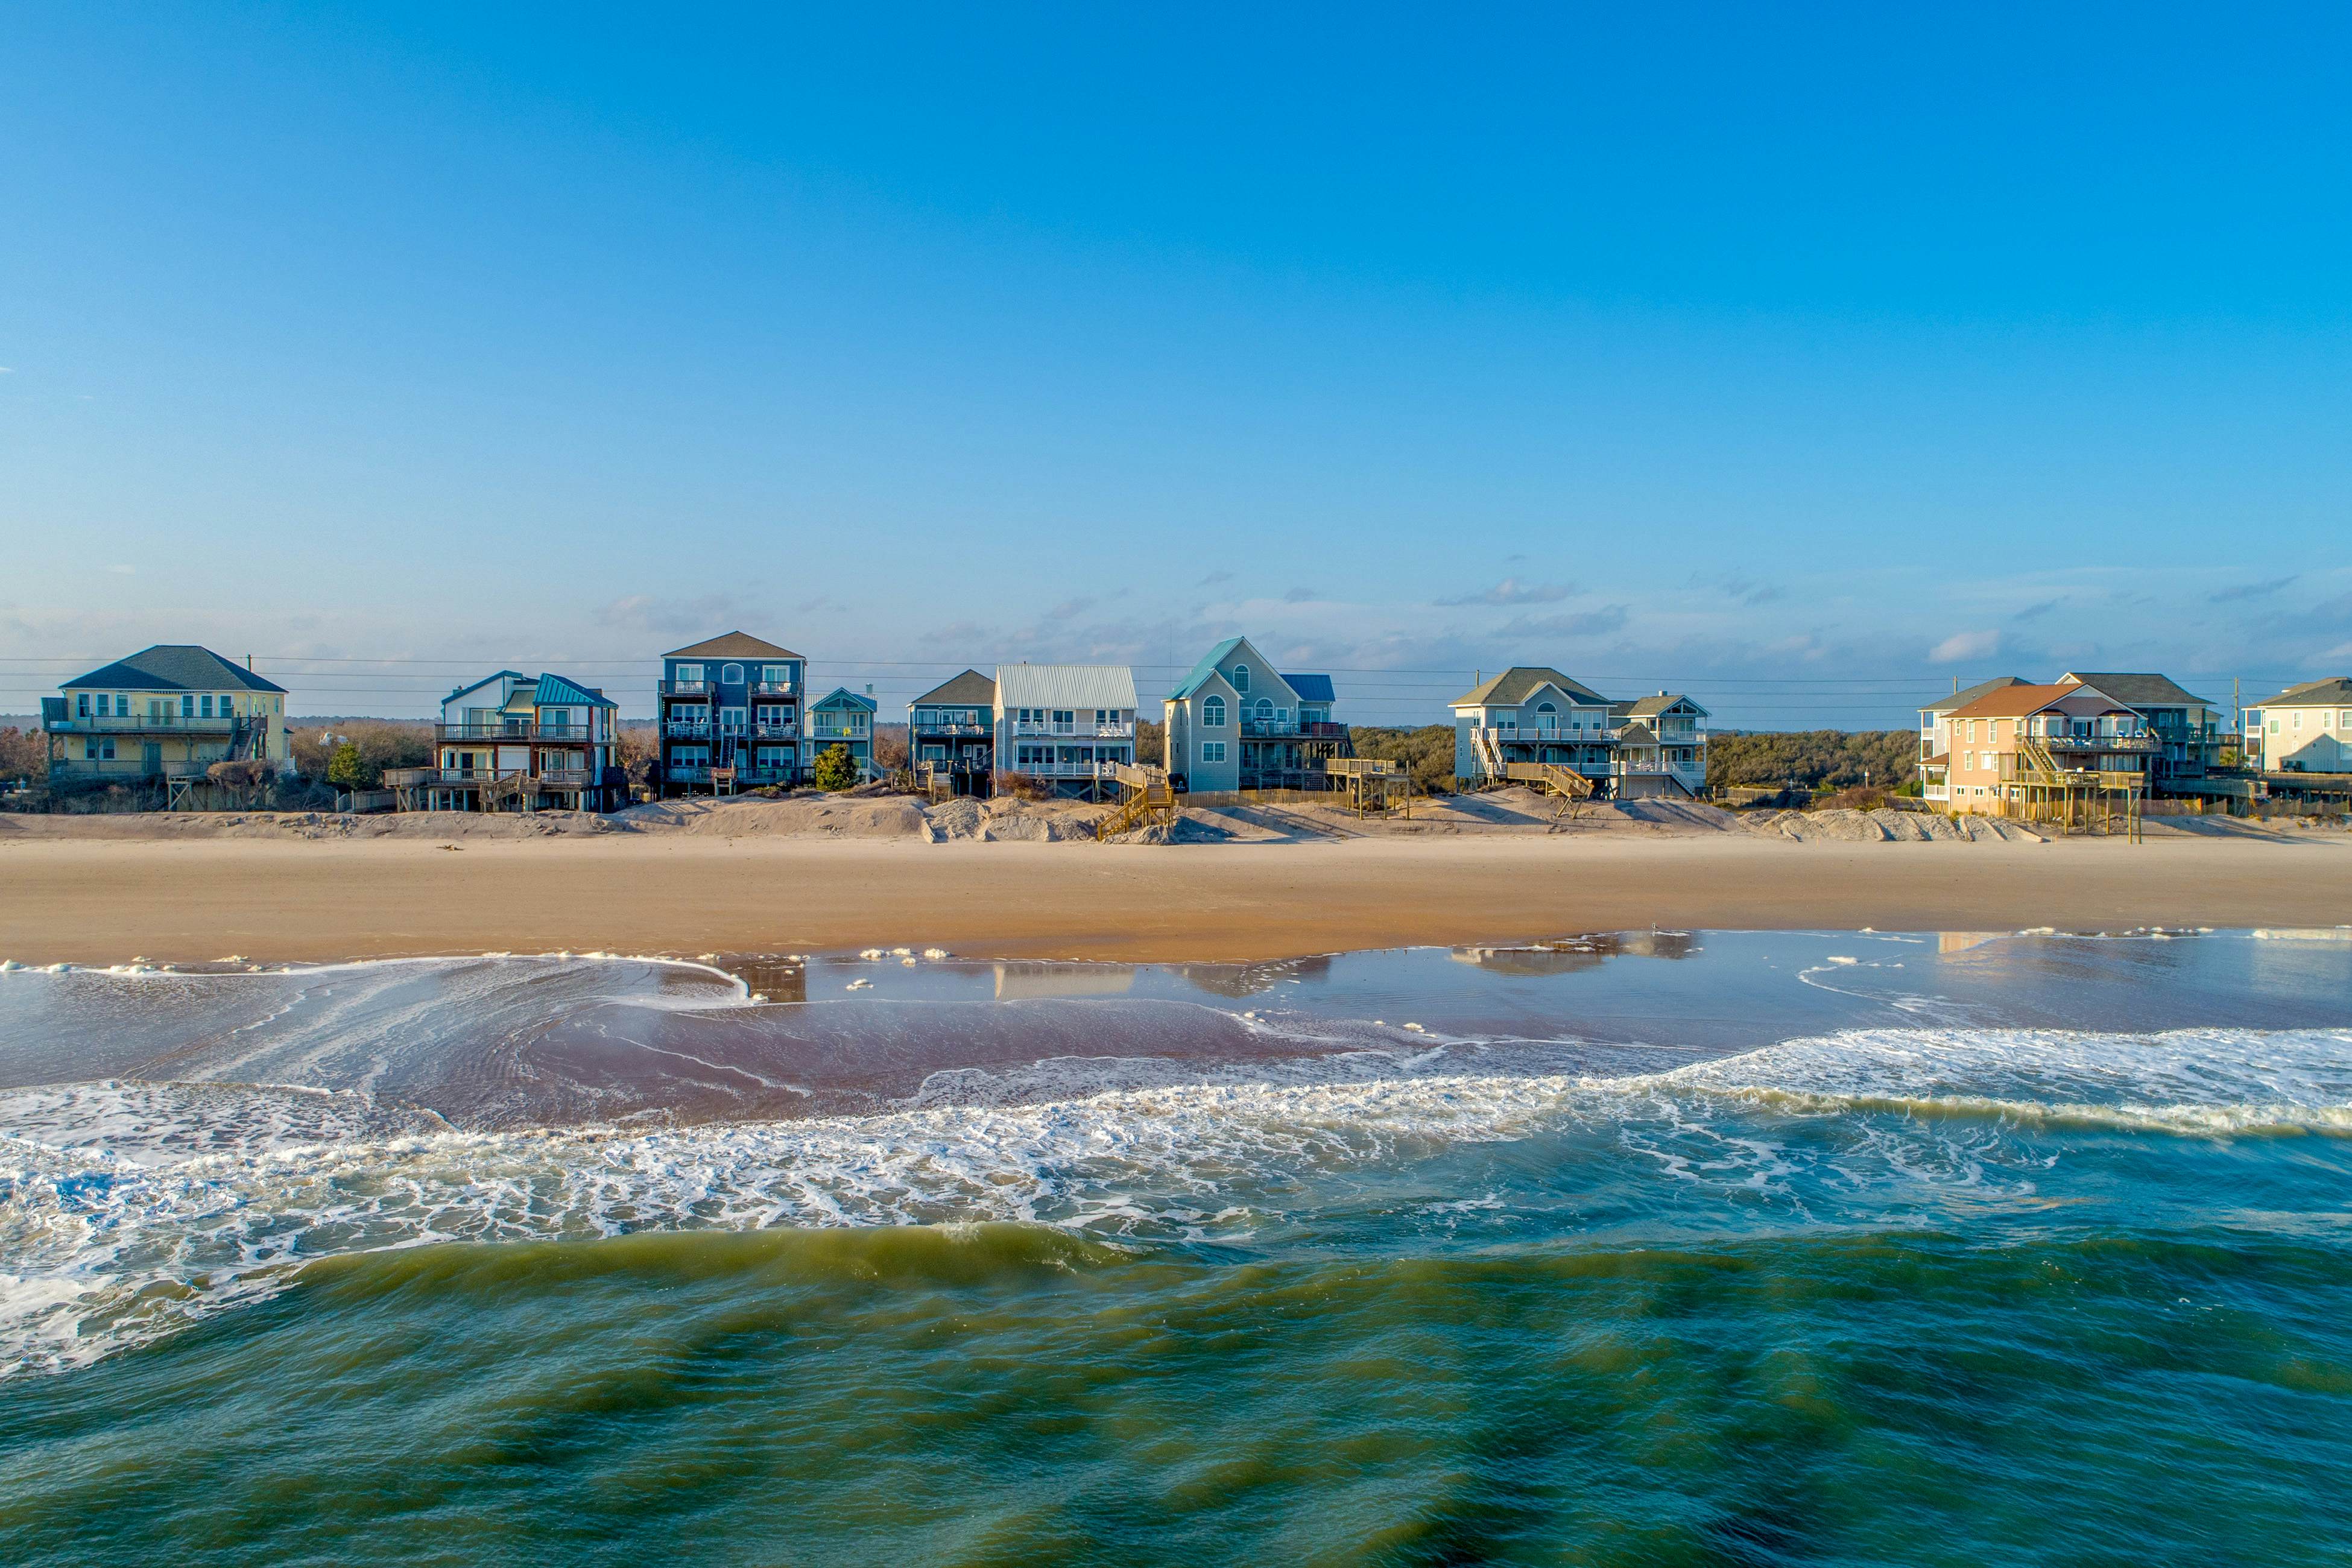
104, 900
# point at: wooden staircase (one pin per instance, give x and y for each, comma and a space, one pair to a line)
1570, 788
1489, 755
1148, 798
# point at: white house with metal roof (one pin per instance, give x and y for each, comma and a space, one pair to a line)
1064, 725
1533, 713
520, 742
167, 712
1235, 722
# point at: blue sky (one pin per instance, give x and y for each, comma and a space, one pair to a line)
1808, 360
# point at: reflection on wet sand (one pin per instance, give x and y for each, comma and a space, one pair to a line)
1239, 980
1046, 982
1577, 953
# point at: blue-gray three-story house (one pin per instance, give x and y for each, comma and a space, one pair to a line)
734, 702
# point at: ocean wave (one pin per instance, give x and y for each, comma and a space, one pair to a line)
127, 1210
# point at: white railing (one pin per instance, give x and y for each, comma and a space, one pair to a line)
1074, 731
821, 733
1059, 770
688, 727
773, 731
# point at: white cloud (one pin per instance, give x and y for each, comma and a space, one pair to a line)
1965, 645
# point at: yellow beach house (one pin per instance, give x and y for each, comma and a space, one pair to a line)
168, 711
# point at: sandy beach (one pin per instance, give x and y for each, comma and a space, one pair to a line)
81, 894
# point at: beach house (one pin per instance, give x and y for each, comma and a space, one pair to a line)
1936, 737
843, 718
165, 712
2306, 729
1064, 726
2013, 745
1661, 747
1235, 722
951, 735
1532, 714
732, 702
2186, 728
512, 741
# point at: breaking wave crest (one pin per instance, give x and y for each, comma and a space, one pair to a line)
129, 1210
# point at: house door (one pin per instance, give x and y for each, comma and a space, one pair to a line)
151, 758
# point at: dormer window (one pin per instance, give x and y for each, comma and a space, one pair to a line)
1241, 678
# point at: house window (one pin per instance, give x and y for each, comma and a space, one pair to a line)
188, 706
730, 675
1241, 678
81, 704
1213, 751
100, 750
205, 708
1213, 712
730, 720
690, 674
774, 675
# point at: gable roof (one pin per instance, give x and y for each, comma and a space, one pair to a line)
1637, 734
1310, 688
1651, 707
2140, 690
1065, 686
173, 667
1967, 695
477, 685
842, 696
2336, 691
1224, 650
554, 691
1518, 683
2025, 700
970, 689
732, 645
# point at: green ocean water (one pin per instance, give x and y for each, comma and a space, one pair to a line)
1946, 1292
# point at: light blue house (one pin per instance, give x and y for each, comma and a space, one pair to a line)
843, 718
732, 702
1533, 713
1235, 722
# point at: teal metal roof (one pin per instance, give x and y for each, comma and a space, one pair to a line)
842, 696
554, 691
1205, 669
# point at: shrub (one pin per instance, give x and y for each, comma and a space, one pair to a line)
346, 770
835, 769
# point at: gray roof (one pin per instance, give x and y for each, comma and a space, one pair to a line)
173, 667
1518, 683
2336, 691
1065, 686
732, 645
970, 689
1637, 735
1651, 707
1969, 694
2140, 691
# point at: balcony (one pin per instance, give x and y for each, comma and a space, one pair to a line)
772, 730
826, 737
515, 729
959, 728
567, 778
697, 728
1060, 770
685, 688
765, 688
2134, 743
1074, 731
134, 723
